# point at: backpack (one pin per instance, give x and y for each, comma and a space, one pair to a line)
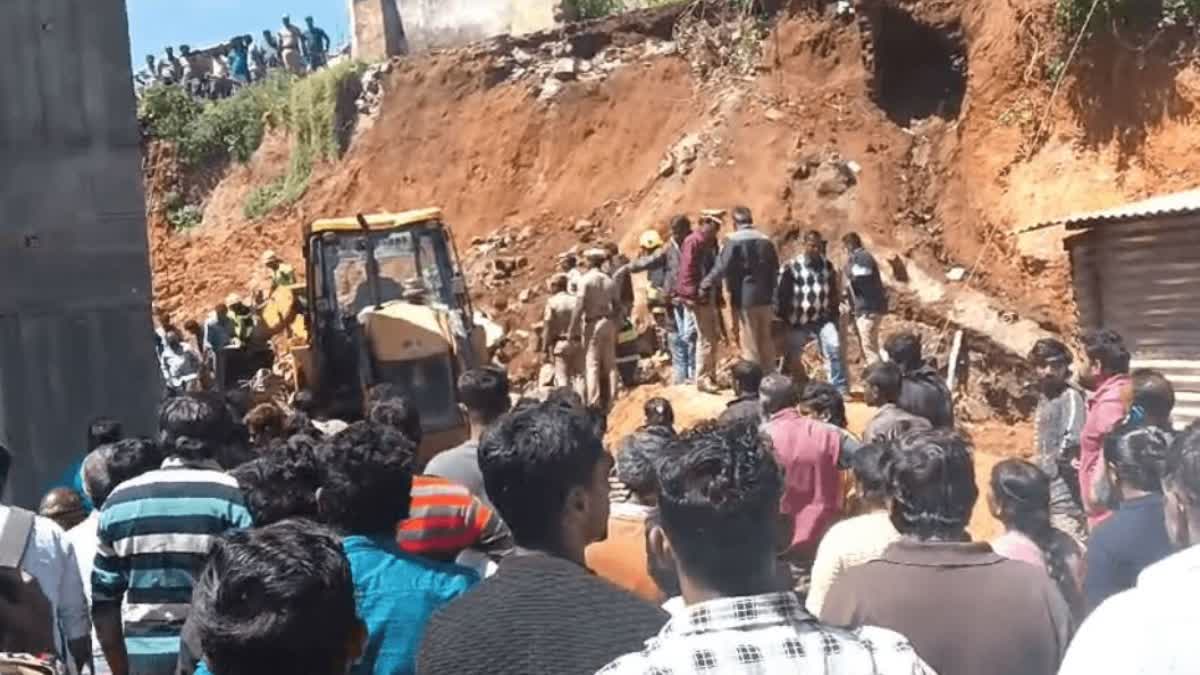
26, 618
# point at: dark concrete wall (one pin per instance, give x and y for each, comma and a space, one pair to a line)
75, 330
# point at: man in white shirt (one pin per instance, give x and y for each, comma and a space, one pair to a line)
49, 559
1151, 627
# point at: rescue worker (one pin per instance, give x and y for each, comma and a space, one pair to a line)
291, 45
242, 318
316, 46
558, 343
661, 263
282, 273
594, 320
654, 262
617, 267
568, 264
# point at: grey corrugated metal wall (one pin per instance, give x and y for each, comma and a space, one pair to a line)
1140, 279
75, 332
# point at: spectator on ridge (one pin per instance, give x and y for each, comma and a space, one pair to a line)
316, 45
718, 501
860, 539
484, 392
621, 556
701, 307
931, 584
882, 383
807, 450
543, 611
155, 531
807, 300
55, 592
749, 265
302, 617
103, 469
866, 295
1134, 536
1020, 498
922, 391
747, 378
1058, 423
365, 490
1106, 375
1151, 628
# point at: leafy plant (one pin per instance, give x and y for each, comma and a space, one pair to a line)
1137, 14
184, 217
594, 9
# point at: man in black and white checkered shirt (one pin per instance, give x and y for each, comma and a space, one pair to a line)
807, 299
717, 506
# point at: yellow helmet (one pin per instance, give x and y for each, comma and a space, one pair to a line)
651, 240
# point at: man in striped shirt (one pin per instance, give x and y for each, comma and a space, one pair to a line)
154, 536
445, 519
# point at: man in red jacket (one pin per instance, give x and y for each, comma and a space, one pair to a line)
1106, 375
698, 258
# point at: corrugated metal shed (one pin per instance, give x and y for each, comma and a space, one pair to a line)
1176, 204
75, 333
1136, 270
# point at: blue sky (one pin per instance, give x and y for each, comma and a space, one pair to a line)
154, 24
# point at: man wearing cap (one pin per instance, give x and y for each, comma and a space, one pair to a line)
282, 273
595, 319
749, 264
703, 306
558, 344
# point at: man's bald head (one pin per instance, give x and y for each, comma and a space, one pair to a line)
64, 506
777, 392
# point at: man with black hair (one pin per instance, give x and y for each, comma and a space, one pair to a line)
558, 344
101, 431
47, 613
806, 299
660, 417
1026, 623
701, 306
865, 294
621, 557
1153, 400
365, 491
1106, 375
154, 534
808, 451
543, 611
400, 414
749, 265
747, 377
717, 504
663, 271
597, 319
882, 382
279, 599
922, 391
1058, 424
484, 393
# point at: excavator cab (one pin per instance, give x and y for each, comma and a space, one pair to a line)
386, 302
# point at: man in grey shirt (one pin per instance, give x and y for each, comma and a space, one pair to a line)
484, 393
1060, 416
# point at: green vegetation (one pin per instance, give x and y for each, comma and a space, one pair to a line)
1135, 14
232, 129
181, 215
594, 9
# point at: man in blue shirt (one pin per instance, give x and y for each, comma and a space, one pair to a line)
316, 46
101, 431
365, 491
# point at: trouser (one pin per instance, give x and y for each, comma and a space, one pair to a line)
757, 344
683, 344
829, 340
708, 333
568, 366
600, 339
316, 61
868, 335
293, 61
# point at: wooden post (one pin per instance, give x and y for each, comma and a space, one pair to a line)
955, 351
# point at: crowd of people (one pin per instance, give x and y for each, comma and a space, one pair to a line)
217, 72
248, 540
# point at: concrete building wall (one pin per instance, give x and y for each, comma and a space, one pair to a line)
376, 32
75, 332
442, 23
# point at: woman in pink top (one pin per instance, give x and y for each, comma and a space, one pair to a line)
1020, 498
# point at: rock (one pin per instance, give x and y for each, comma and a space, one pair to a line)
560, 49
833, 179
775, 114
550, 88
521, 56
584, 66
566, 69
477, 241
685, 153
854, 167
525, 234
667, 167
525, 296
957, 274
582, 226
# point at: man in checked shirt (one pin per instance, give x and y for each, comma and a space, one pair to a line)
719, 497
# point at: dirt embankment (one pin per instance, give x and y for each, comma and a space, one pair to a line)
927, 126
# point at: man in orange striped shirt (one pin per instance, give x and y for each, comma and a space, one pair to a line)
445, 519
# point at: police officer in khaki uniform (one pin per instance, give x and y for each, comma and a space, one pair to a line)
557, 343
596, 315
